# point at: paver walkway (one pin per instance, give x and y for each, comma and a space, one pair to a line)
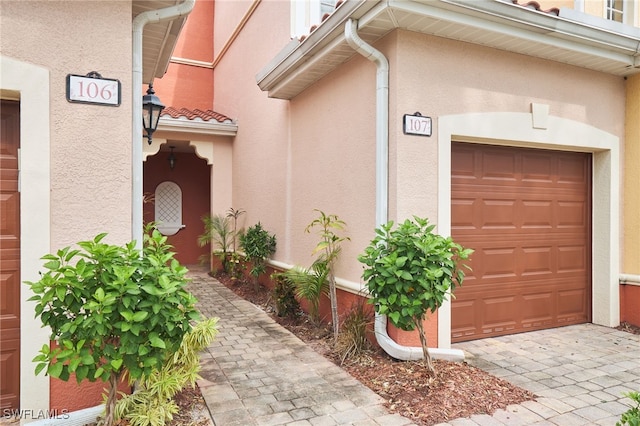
257, 373
579, 373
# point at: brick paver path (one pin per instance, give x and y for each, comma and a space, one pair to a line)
257, 373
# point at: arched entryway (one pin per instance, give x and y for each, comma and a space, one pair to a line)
190, 174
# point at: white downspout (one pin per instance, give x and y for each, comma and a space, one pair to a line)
391, 347
139, 23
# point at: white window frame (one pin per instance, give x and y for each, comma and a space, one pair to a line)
611, 12
168, 208
629, 12
306, 13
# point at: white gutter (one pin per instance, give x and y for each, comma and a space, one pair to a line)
382, 188
139, 23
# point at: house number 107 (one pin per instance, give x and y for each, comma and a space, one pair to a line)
416, 124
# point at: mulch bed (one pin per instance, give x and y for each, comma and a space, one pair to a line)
458, 390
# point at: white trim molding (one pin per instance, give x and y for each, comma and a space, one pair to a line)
32, 83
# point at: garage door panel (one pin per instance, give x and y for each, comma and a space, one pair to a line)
536, 214
9, 256
571, 170
537, 308
571, 302
571, 258
531, 268
463, 209
572, 214
537, 168
537, 260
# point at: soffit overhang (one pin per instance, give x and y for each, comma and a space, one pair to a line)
494, 23
158, 39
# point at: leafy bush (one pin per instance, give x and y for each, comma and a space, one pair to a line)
112, 309
152, 404
257, 245
284, 295
631, 417
409, 271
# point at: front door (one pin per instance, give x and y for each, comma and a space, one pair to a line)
9, 256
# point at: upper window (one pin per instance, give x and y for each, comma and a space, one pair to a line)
615, 10
306, 13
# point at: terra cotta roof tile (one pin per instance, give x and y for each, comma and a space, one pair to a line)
536, 6
529, 5
195, 114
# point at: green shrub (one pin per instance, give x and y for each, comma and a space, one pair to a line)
632, 416
257, 245
223, 233
409, 271
284, 295
111, 310
152, 403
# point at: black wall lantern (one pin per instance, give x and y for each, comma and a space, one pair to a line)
172, 158
151, 110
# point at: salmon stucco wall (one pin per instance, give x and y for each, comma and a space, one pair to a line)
430, 77
630, 292
90, 144
321, 148
188, 82
85, 150
261, 167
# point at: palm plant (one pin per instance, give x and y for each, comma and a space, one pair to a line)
217, 231
310, 284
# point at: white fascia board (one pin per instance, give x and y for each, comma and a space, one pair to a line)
497, 16
214, 128
518, 22
296, 52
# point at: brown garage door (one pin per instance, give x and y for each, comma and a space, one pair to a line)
527, 214
9, 256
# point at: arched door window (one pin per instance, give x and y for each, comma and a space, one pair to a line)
168, 208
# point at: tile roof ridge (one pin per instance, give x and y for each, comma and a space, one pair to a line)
324, 18
196, 113
536, 6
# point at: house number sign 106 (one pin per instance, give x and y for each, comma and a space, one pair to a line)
93, 89
416, 124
